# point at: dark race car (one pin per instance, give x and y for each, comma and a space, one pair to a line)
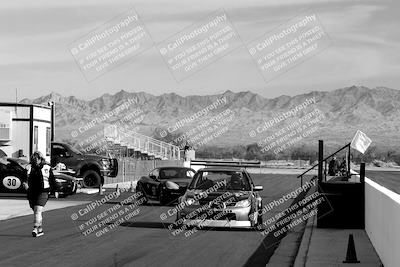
13, 173
220, 197
165, 184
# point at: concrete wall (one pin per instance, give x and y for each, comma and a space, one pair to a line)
134, 168
382, 222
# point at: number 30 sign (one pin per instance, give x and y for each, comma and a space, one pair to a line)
11, 182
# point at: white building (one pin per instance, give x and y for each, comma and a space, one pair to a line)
26, 128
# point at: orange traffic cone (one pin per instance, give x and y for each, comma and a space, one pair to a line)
351, 256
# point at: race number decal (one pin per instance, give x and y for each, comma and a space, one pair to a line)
11, 182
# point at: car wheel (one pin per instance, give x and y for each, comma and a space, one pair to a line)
163, 199
91, 178
259, 223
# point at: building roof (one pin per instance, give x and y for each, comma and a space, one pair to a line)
8, 104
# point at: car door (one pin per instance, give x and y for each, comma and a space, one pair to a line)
11, 177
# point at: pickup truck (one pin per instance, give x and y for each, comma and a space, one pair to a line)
91, 168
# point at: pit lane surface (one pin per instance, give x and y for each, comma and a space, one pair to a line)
143, 241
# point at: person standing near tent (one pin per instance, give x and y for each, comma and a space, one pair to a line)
40, 182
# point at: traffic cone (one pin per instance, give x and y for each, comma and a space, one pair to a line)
132, 189
351, 256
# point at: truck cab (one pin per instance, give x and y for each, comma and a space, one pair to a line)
91, 168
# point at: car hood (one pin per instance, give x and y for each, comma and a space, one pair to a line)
179, 181
93, 157
221, 195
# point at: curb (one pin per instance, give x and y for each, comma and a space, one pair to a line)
120, 185
301, 257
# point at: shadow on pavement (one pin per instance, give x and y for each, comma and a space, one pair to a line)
161, 225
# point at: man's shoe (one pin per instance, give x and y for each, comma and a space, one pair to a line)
40, 231
36, 232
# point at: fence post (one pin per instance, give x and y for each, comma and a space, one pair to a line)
348, 162
362, 172
362, 181
320, 159
123, 171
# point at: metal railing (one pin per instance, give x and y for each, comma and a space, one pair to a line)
325, 161
146, 145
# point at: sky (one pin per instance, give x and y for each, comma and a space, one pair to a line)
35, 38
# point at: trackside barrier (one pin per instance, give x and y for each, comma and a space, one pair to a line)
132, 169
199, 164
382, 222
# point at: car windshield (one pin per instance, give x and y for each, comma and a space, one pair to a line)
73, 149
176, 173
222, 180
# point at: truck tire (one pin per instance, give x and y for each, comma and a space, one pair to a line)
91, 178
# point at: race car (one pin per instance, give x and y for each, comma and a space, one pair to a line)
165, 184
13, 172
220, 197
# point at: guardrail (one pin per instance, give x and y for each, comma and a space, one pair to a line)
142, 143
221, 163
382, 220
324, 161
153, 146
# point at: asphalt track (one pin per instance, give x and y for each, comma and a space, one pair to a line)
143, 240
388, 179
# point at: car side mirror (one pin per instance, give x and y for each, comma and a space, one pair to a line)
153, 177
258, 188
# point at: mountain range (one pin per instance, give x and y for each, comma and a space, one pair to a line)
375, 111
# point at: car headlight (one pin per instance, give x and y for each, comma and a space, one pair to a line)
106, 163
171, 185
243, 203
60, 180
